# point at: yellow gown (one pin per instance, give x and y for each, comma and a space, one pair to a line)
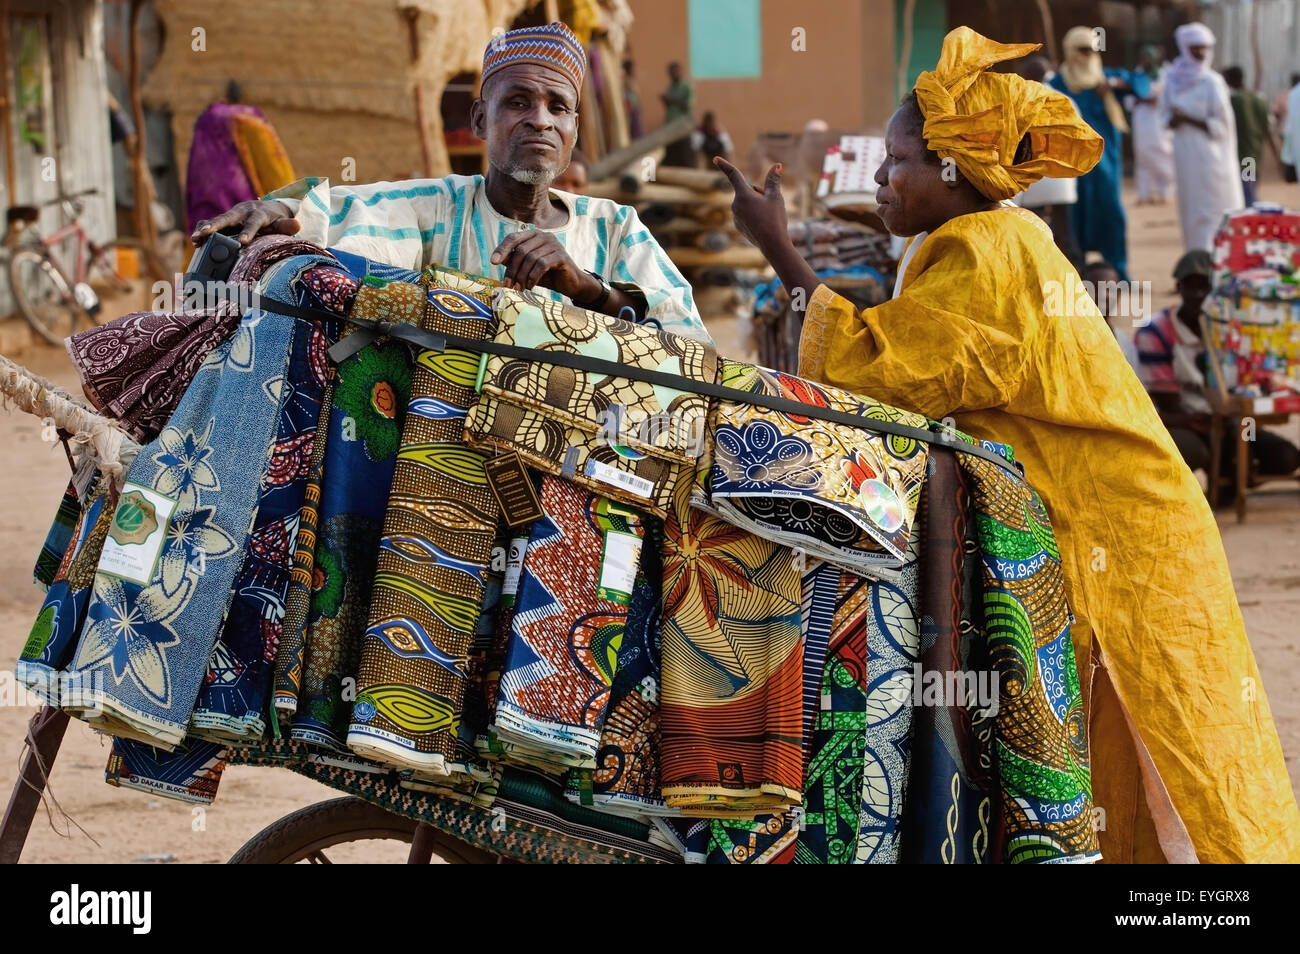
970, 337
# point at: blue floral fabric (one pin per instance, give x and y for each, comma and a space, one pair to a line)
172, 554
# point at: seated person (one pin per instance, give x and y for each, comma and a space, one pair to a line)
1103, 284
1171, 365
574, 177
509, 225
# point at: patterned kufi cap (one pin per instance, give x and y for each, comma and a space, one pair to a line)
554, 46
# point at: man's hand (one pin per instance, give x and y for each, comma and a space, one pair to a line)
257, 216
534, 257
759, 214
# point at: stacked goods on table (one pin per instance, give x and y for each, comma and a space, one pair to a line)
855, 260
1253, 315
561, 585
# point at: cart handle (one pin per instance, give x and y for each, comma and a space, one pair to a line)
91, 433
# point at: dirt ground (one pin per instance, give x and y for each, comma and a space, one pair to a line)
115, 825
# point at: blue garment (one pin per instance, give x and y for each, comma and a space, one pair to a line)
361, 446
182, 522
53, 638
191, 773
1099, 221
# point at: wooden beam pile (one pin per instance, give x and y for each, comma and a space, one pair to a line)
687, 210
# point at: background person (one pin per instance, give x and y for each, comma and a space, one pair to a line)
1171, 364
1250, 114
574, 177
1196, 106
1153, 143
1100, 224
1291, 132
710, 140
679, 101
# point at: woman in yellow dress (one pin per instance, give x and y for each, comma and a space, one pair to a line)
990, 328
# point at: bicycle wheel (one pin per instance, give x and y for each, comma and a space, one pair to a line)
42, 296
304, 835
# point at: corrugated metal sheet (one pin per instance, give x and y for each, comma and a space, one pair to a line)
1273, 26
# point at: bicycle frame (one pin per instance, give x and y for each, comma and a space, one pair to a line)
85, 249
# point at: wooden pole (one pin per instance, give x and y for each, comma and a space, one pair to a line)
421, 120
141, 178
6, 113
612, 162
45, 733
1049, 33
905, 54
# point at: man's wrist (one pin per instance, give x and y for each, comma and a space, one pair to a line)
596, 295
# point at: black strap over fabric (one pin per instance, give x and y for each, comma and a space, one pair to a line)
439, 341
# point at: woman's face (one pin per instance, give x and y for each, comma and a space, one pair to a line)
913, 196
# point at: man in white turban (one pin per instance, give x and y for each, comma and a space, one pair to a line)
1195, 104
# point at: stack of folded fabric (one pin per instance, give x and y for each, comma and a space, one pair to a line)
832, 244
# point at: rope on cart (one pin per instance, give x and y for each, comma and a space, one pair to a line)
45, 790
88, 432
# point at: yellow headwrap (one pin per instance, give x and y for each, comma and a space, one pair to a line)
977, 118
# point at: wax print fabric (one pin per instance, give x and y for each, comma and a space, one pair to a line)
569, 623
53, 638
189, 773
369, 398
182, 521
436, 545
626, 439
814, 484
731, 709
59, 537
626, 778
233, 700
952, 797
135, 368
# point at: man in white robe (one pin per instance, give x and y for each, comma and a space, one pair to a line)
1195, 104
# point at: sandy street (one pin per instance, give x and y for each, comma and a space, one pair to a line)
114, 825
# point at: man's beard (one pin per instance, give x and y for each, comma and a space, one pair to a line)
532, 177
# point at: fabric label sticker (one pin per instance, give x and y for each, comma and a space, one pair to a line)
513, 488
618, 565
514, 568
136, 537
598, 470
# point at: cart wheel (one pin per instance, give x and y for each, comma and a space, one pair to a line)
304, 835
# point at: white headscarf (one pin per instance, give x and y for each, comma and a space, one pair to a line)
1186, 70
